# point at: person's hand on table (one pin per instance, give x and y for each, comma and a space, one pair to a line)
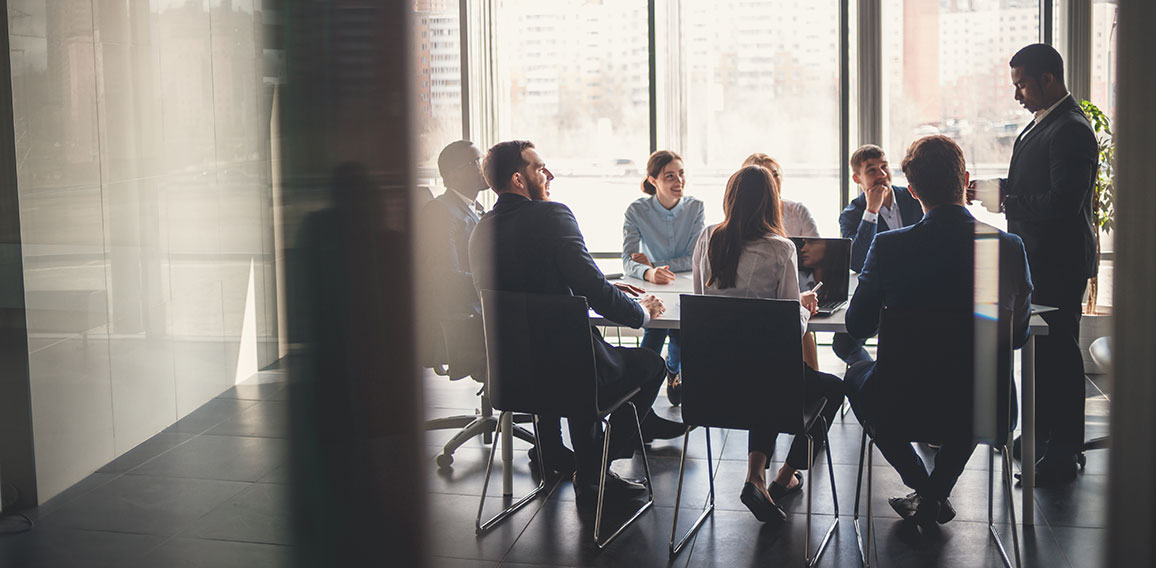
653, 305
629, 289
875, 197
810, 300
641, 258
659, 275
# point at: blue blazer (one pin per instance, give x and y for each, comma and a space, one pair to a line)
861, 234
535, 246
446, 224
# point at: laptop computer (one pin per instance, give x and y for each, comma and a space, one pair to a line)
827, 261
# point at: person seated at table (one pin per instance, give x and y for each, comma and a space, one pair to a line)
658, 236
881, 207
930, 263
747, 256
528, 243
797, 219
797, 222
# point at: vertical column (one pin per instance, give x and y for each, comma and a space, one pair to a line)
17, 455
1131, 494
1078, 44
870, 72
355, 405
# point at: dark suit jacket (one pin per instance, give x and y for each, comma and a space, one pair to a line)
861, 234
447, 223
535, 246
1049, 195
930, 264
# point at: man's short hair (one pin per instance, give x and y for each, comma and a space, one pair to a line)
864, 153
450, 158
935, 168
1037, 59
502, 160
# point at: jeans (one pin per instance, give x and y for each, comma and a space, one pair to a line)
654, 338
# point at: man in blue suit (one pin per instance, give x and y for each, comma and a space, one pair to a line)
880, 207
931, 263
528, 243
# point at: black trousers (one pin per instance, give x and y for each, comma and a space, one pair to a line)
816, 385
645, 370
1060, 365
949, 461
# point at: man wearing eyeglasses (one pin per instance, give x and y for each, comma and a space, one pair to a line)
881, 207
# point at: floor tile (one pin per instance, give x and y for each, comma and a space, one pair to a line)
258, 514
144, 504
209, 415
68, 495
453, 516
229, 458
737, 539
146, 451
960, 544
1082, 546
46, 547
1082, 503
196, 553
266, 419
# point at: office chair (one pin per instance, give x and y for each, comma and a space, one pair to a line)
742, 365
930, 355
541, 361
459, 351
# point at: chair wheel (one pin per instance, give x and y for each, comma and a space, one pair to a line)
444, 461
1082, 460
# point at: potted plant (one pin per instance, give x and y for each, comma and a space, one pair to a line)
1096, 322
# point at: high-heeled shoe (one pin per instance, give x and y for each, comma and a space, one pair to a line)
764, 509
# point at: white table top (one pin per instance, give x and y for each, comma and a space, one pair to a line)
683, 284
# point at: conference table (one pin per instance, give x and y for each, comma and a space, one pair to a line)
683, 284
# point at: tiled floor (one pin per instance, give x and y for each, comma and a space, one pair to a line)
549, 532
209, 491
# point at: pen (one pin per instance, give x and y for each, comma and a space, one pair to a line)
817, 287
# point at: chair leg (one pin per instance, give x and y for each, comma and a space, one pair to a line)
1007, 478
864, 539
812, 560
598, 540
479, 426
676, 547
479, 526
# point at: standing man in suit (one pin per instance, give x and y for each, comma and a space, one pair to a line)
1047, 199
931, 263
528, 243
880, 207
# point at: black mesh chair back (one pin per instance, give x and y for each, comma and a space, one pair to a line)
742, 364
539, 351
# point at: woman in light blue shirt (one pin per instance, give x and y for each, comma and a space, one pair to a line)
658, 238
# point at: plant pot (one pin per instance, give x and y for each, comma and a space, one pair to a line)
1092, 327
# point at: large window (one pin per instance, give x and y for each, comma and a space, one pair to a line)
946, 72
573, 78
437, 77
761, 77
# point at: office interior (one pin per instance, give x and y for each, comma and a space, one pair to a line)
209, 345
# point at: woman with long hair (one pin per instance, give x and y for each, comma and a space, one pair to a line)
747, 256
658, 238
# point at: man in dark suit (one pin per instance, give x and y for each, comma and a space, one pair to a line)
530, 244
447, 289
880, 207
931, 263
1047, 199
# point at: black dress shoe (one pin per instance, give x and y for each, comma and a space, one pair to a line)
1054, 472
764, 510
617, 487
906, 506
658, 428
946, 512
778, 491
558, 459
925, 512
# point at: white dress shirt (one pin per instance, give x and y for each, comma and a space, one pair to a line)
768, 268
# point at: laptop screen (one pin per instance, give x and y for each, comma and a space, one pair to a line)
827, 261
